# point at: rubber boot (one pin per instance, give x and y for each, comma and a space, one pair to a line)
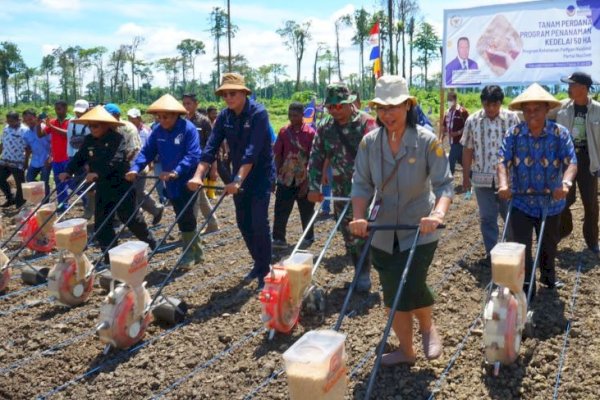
90, 207
194, 254
211, 193
363, 285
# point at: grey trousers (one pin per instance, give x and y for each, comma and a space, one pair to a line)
149, 204
205, 209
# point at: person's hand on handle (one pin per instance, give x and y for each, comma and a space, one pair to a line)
64, 176
195, 183
91, 177
430, 223
358, 227
167, 176
131, 176
232, 188
504, 192
315, 197
561, 192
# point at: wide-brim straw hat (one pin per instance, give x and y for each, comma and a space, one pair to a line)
167, 104
232, 81
98, 114
391, 90
534, 93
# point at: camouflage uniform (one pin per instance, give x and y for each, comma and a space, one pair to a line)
328, 145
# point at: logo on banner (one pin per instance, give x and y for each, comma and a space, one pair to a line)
571, 10
455, 21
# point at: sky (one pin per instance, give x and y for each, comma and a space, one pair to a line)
38, 26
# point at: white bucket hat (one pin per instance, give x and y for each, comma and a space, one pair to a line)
391, 90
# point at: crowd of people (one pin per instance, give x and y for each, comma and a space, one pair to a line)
392, 166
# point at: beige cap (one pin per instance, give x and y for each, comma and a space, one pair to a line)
534, 93
391, 90
166, 103
232, 81
98, 114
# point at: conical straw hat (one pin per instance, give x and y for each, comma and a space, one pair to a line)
98, 114
166, 103
534, 93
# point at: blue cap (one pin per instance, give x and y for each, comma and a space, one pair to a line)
112, 108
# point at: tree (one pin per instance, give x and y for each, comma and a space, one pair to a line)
218, 28
344, 20
137, 41
169, 66
96, 57
411, 31
295, 36
407, 9
428, 43
189, 50
320, 46
46, 68
390, 17
10, 59
362, 28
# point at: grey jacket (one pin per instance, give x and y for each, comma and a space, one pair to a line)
566, 116
422, 176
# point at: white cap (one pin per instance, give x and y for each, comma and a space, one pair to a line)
134, 113
81, 106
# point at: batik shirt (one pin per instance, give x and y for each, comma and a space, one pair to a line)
328, 145
484, 136
13, 146
536, 165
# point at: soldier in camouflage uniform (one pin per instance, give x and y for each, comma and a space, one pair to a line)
337, 139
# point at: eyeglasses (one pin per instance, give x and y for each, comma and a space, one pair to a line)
384, 109
335, 107
232, 93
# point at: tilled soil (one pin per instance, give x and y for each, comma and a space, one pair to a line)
222, 351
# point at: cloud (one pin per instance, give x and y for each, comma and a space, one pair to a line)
130, 29
48, 48
66, 5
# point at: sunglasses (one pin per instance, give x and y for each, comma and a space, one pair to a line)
335, 107
229, 94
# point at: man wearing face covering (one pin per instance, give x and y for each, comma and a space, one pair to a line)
454, 122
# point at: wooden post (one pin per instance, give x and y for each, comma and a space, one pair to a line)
442, 98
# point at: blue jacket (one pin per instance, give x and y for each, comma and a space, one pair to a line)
179, 151
249, 138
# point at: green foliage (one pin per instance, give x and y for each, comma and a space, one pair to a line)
304, 97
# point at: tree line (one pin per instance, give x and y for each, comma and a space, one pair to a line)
121, 76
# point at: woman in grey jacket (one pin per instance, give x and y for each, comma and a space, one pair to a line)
406, 168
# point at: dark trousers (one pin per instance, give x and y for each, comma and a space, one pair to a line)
284, 203
455, 156
224, 169
522, 226
107, 197
588, 190
33, 172
19, 177
187, 222
252, 216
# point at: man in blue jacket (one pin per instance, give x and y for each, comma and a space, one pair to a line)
176, 141
245, 126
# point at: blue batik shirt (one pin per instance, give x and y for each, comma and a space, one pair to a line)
537, 164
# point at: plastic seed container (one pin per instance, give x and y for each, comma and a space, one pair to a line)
316, 366
508, 265
33, 192
71, 235
129, 262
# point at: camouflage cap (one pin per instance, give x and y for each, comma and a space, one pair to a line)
338, 93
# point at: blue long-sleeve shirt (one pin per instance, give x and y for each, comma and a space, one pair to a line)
179, 151
249, 139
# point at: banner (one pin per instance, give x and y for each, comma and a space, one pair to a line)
521, 43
